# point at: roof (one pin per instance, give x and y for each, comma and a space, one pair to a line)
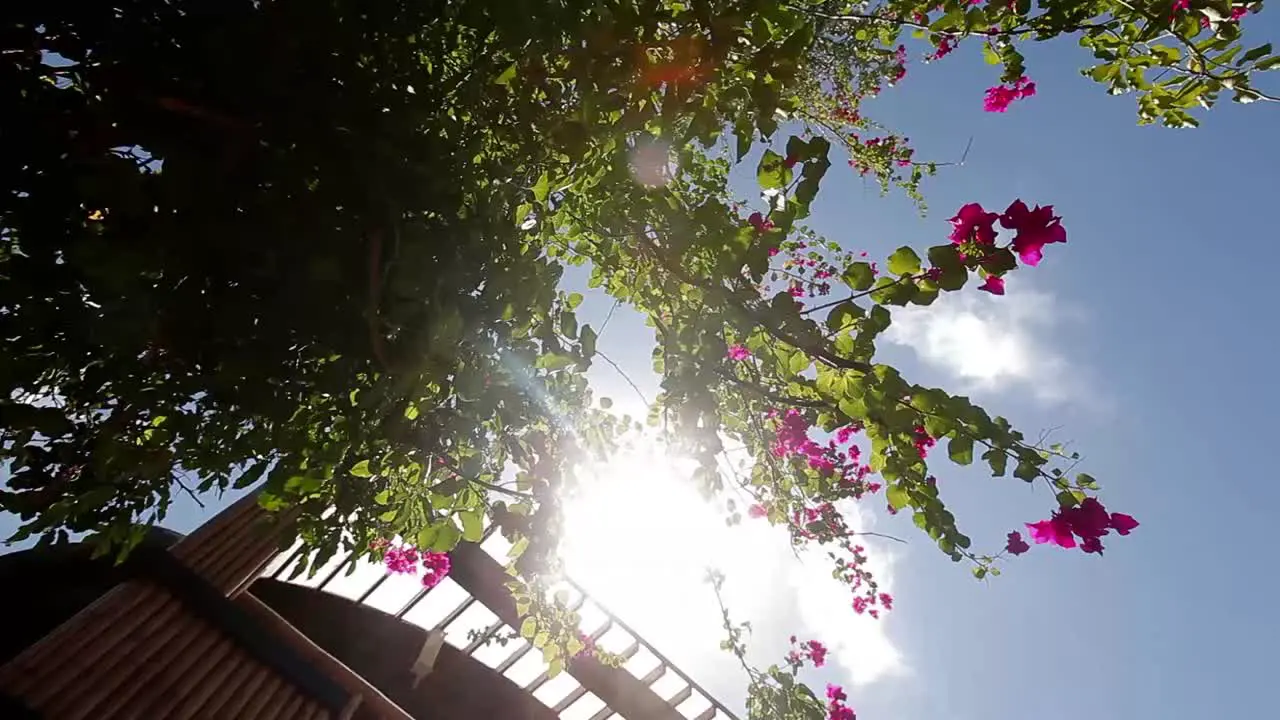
477, 630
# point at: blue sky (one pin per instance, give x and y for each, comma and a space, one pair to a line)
1144, 340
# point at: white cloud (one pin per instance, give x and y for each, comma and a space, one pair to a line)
642, 540
991, 343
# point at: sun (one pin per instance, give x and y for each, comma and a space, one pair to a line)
640, 537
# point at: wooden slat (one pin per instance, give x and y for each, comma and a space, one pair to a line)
481, 576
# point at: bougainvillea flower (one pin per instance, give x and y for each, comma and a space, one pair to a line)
993, 285
757, 511
1123, 524
1092, 545
999, 97
1015, 545
1088, 519
817, 653
1055, 530
437, 566
738, 352
972, 223
1036, 228
759, 222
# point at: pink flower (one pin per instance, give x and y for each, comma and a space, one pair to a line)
817, 653
972, 223
738, 352
1123, 524
759, 222
1015, 544
1036, 228
999, 97
836, 707
1092, 545
993, 285
886, 600
436, 566
844, 434
757, 511
945, 46
1088, 519
796, 290
401, 561
1055, 530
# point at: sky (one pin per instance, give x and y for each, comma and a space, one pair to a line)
1143, 341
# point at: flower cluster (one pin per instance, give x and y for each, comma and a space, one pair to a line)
999, 97
1088, 521
922, 440
738, 352
837, 709
404, 560
791, 440
760, 222
810, 650
973, 232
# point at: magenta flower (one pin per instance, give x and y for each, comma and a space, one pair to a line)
1089, 521
844, 434
436, 566
759, 222
1092, 545
817, 653
972, 223
1036, 228
757, 511
999, 97
738, 352
993, 285
1123, 524
886, 600
401, 561
1015, 544
1055, 530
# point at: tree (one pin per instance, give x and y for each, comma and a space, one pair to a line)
321, 245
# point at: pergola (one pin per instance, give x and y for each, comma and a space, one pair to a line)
186, 637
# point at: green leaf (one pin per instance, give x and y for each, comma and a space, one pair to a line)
1255, 53
843, 316
960, 449
799, 363
574, 300
554, 361
859, 276
1027, 471
998, 460
528, 628
447, 539
772, 173
472, 526
587, 341
361, 469
542, 188
904, 261
507, 75
898, 496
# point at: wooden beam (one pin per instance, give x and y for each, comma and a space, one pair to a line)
481, 576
